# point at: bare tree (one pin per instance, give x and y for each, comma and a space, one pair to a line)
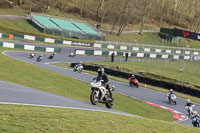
119, 14
146, 6
82, 6
196, 16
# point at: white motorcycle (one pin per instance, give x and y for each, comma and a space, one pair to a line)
72, 54
100, 94
78, 68
190, 109
171, 98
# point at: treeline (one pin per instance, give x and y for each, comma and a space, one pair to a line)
122, 13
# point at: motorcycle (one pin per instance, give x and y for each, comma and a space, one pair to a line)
195, 122
133, 82
190, 109
51, 56
31, 55
100, 94
78, 68
72, 54
39, 58
171, 98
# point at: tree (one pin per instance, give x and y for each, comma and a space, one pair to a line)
82, 6
146, 6
118, 14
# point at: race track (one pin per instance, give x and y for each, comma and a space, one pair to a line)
139, 93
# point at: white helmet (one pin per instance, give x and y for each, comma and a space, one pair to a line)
195, 112
188, 100
171, 90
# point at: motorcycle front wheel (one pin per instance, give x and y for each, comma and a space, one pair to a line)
94, 100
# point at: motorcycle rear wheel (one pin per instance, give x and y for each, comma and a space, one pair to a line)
109, 104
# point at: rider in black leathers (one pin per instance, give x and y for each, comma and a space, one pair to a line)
103, 76
189, 103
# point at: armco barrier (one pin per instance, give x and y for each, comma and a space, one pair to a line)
195, 52
29, 47
136, 54
145, 80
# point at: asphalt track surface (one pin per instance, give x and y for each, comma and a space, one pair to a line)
141, 93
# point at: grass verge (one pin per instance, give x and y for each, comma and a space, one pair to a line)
17, 118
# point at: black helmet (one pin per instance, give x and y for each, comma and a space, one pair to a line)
100, 71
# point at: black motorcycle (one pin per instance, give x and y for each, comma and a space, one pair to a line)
52, 56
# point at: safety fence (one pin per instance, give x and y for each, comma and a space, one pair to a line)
2, 35
136, 54
136, 48
29, 47
146, 80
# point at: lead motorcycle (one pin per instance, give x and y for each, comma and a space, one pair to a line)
100, 94
171, 98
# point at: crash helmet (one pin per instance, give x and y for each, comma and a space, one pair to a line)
81, 62
133, 75
171, 90
195, 112
188, 101
100, 71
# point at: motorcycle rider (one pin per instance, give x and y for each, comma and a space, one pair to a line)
170, 93
133, 77
32, 55
52, 55
196, 118
189, 103
39, 58
103, 76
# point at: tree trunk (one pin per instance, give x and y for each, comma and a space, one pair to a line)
102, 18
142, 25
82, 6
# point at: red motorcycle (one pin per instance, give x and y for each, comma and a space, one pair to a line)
133, 82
